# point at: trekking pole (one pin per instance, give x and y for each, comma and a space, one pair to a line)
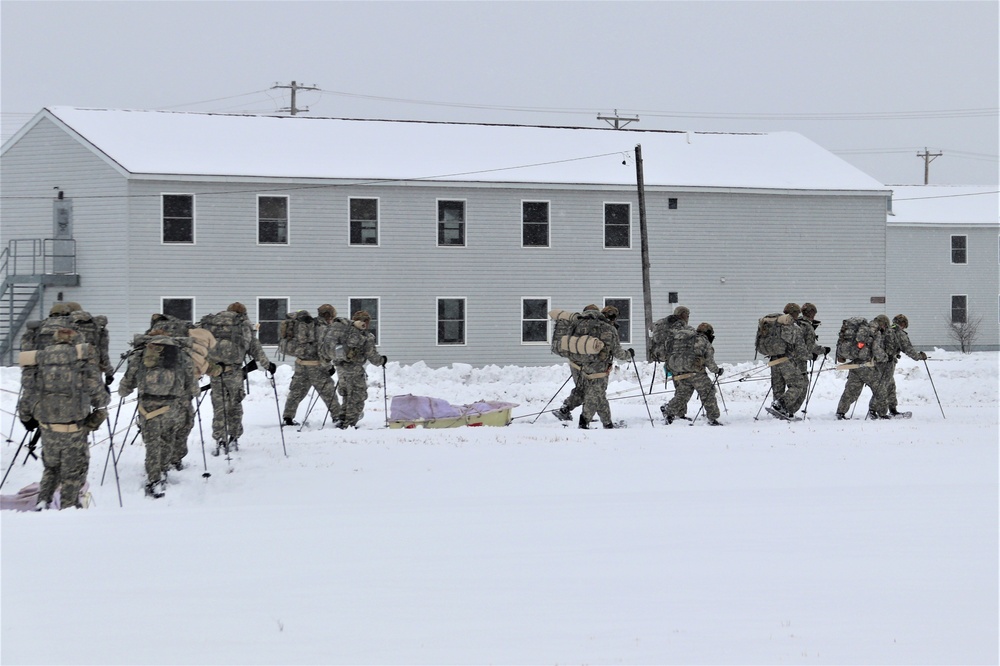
13, 420
281, 426
718, 386
111, 446
552, 398
648, 413
225, 420
805, 407
702, 405
14, 459
935, 389
385, 398
201, 432
309, 408
762, 403
652, 380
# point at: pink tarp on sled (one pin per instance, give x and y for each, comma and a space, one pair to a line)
409, 411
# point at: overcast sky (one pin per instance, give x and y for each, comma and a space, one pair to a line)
874, 82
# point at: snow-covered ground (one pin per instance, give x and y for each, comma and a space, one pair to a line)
761, 542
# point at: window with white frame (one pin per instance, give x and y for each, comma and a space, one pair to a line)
178, 218
364, 221
617, 225
535, 223
369, 305
534, 321
451, 223
182, 308
959, 249
451, 321
624, 320
272, 220
959, 309
270, 313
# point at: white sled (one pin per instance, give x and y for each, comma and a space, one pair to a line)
410, 411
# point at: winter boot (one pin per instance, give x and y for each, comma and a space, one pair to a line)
220, 447
234, 444
841, 417
875, 416
584, 423
714, 422
289, 421
609, 426
562, 414
893, 413
43, 505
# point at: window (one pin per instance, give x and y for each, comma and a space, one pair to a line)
958, 249
672, 203
178, 218
451, 321
672, 297
182, 308
959, 309
617, 224
272, 220
369, 305
624, 321
364, 221
270, 313
535, 223
451, 223
534, 321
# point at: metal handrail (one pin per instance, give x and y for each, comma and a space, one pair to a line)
34, 256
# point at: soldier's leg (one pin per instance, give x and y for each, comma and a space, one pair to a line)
778, 381
51, 460
852, 389
354, 398
877, 382
182, 416
683, 390
575, 397
598, 396
152, 439
798, 384
706, 392
218, 409
75, 463
297, 390
320, 380
234, 406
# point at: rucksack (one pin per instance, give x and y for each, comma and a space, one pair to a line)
683, 351
662, 336
583, 344
296, 333
94, 329
59, 374
232, 333
38, 334
563, 322
769, 341
854, 340
334, 339
166, 360
170, 325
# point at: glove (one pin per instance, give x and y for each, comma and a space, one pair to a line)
718, 373
95, 419
826, 350
332, 370
108, 379
249, 367
30, 424
385, 359
271, 367
922, 356
631, 352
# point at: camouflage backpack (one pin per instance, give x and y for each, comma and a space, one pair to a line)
172, 326
331, 345
683, 352
95, 331
854, 340
562, 328
57, 375
297, 333
166, 366
584, 343
232, 333
769, 341
39, 334
662, 336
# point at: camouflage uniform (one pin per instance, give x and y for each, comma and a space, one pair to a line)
868, 374
311, 372
353, 382
166, 415
896, 341
66, 418
228, 390
674, 324
594, 373
789, 381
694, 378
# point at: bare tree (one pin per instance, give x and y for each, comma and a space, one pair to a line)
965, 333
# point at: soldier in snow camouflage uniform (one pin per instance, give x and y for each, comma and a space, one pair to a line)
789, 380
228, 391
63, 394
868, 374
594, 373
689, 366
896, 341
575, 397
353, 382
311, 371
677, 321
165, 375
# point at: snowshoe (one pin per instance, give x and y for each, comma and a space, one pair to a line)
714, 422
843, 417
782, 414
899, 415
562, 414
874, 416
289, 421
154, 490
615, 424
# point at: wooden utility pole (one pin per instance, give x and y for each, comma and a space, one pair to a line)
294, 87
647, 297
928, 158
617, 121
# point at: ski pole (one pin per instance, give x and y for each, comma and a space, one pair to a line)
552, 398
935, 389
762, 403
13, 419
805, 408
201, 432
14, 459
652, 380
281, 426
385, 397
309, 408
702, 405
111, 446
636, 368
718, 386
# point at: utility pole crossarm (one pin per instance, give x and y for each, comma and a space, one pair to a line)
294, 87
616, 121
928, 158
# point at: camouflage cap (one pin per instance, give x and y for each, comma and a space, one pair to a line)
74, 306
59, 310
327, 310
901, 321
237, 307
361, 315
610, 311
682, 312
705, 327
882, 321
792, 309
591, 307
808, 310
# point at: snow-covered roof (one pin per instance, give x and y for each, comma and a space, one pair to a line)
945, 204
204, 144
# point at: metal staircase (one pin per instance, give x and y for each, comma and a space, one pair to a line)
27, 267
